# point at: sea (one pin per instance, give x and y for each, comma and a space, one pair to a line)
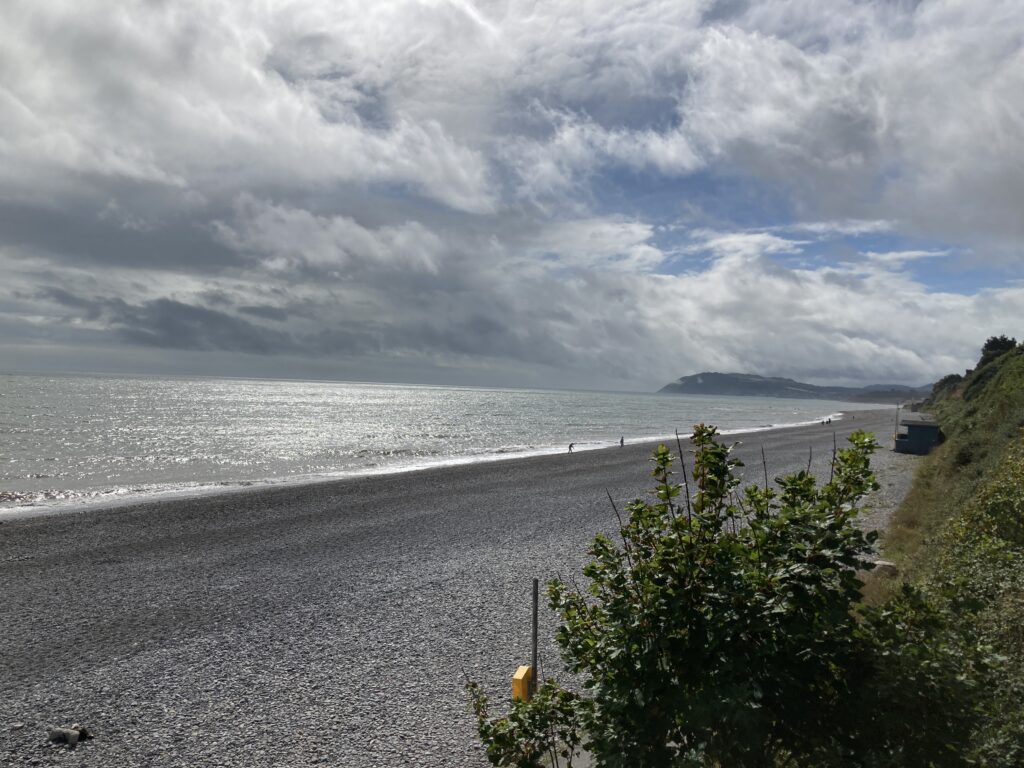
70, 441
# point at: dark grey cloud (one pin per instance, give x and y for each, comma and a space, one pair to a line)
172, 324
265, 312
89, 309
80, 236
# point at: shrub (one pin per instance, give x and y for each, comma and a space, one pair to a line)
995, 346
964, 455
724, 628
546, 727
960, 535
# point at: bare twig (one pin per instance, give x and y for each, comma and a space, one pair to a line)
738, 501
622, 529
764, 464
576, 588
832, 466
553, 750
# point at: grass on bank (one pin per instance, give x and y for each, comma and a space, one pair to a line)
959, 536
982, 416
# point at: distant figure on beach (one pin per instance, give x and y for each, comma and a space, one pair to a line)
830, 421
570, 447
622, 442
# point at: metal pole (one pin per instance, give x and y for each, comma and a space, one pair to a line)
533, 651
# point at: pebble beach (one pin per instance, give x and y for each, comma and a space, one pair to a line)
332, 623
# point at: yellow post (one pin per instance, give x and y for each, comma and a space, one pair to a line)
521, 683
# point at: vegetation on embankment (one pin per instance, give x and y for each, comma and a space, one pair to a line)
959, 535
981, 415
730, 627
725, 627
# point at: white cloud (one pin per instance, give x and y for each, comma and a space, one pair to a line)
616, 244
331, 289
187, 96
482, 183
896, 258
284, 237
852, 227
750, 313
910, 109
738, 248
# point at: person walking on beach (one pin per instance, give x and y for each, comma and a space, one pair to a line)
570, 447
622, 442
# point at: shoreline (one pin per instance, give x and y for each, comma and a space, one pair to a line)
319, 624
102, 500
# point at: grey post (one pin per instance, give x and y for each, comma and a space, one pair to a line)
533, 652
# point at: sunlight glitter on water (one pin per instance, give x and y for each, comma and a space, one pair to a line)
77, 438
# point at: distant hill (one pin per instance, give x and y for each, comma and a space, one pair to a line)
761, 386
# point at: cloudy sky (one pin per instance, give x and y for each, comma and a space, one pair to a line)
588, 193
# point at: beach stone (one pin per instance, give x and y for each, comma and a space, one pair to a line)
63, 736
70, 736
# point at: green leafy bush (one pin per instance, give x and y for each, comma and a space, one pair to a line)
995, 346
945, 385
546, 727
977, 567
724, 628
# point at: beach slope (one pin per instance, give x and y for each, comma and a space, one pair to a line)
330, 623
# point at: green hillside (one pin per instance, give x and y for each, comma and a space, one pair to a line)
750, 385
960, 534
982, 415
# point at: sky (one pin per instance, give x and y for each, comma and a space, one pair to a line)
601, 194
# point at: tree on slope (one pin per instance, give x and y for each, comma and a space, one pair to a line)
994, 347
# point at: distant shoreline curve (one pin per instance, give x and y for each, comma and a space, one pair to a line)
204, 491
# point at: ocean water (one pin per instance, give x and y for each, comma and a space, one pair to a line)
72, 440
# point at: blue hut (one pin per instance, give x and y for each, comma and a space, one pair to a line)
920, 436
